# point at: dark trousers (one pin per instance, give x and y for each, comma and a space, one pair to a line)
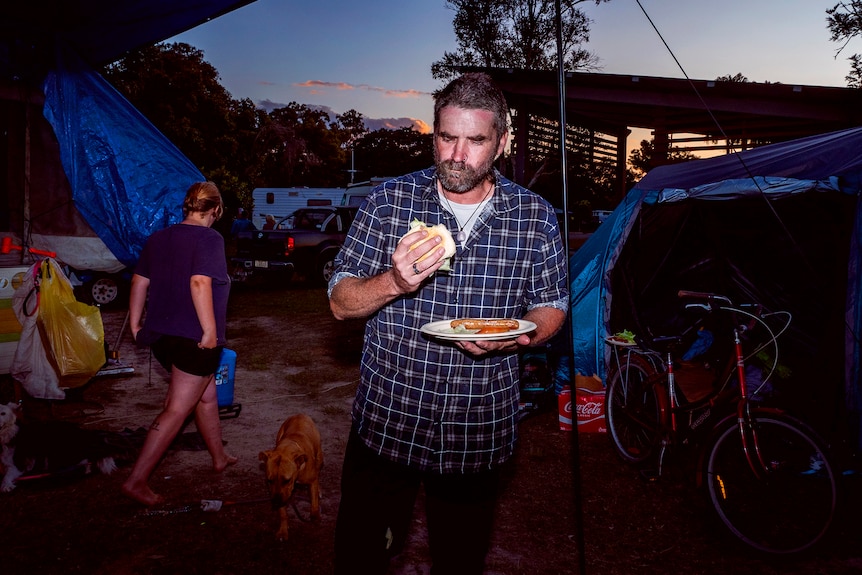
377, 500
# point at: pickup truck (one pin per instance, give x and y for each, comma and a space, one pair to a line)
304, 243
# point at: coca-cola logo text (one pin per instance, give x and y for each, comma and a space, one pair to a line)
590, 408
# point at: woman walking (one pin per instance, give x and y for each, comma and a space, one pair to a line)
182, 279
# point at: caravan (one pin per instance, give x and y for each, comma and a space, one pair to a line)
356, 193
281, 202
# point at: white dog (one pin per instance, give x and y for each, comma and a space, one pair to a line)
8, 431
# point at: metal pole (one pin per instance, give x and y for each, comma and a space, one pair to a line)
569, 356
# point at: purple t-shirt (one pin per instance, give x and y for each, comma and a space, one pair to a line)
169, 259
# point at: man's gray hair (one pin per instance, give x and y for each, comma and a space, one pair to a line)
473, 91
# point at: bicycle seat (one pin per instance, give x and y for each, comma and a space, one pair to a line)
666, 343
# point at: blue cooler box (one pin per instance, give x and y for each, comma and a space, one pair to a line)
224, 377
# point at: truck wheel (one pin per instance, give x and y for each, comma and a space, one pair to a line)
239, 273
327, 266
104, 291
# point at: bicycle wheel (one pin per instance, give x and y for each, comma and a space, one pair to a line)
633, 410
791, 507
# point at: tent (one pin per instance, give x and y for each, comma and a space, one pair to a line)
777, 225
86, 176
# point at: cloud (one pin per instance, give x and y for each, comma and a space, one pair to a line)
370, 123
268, 105
316, 85
397, 123
326, 109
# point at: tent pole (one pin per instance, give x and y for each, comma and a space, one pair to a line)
569, 355
26, 231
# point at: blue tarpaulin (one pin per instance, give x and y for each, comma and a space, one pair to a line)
127, 179
88, 176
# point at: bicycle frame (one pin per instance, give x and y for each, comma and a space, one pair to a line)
668, 399
766, 473
747, 432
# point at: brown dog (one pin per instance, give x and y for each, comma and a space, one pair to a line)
296, 459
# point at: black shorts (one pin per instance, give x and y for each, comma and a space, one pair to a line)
184, 353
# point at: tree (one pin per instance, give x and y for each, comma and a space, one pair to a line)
844, 21
296, 146
179, 92
240, 146
738, 77
523, 34
392, 152
351, 127
642, 160
516, 34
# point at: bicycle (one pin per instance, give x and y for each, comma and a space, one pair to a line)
766, 473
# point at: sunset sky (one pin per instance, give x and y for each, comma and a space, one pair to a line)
375, 57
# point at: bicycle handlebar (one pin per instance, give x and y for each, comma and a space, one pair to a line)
710, 297
724, 303
713, 302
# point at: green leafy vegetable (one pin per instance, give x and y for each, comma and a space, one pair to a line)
625, 336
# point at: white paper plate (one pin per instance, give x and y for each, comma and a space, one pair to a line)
443, 330
619, 343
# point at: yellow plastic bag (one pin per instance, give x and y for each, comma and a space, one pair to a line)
72, 331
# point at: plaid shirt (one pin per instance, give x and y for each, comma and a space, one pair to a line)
423, 402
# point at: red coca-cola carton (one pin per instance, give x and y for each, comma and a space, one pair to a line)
564, 400
589, 405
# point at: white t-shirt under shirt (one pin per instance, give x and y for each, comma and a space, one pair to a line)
466, 215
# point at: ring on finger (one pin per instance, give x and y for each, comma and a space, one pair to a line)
415, 269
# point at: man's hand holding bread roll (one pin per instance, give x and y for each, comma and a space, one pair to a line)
446, 242
421, 251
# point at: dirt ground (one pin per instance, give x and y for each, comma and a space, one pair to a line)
569, 505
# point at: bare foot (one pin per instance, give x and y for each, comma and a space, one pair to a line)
224, 464
142, 494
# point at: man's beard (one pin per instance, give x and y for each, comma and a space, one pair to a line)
459, 178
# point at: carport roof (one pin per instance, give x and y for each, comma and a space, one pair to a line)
101, 31
612, 103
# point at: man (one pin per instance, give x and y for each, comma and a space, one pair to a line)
431, 412
241, 223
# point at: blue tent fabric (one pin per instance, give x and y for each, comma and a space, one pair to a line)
127, 179
813, 158
589, 301
755, 186
826, 166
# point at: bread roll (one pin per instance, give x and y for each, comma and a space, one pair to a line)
448, 242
